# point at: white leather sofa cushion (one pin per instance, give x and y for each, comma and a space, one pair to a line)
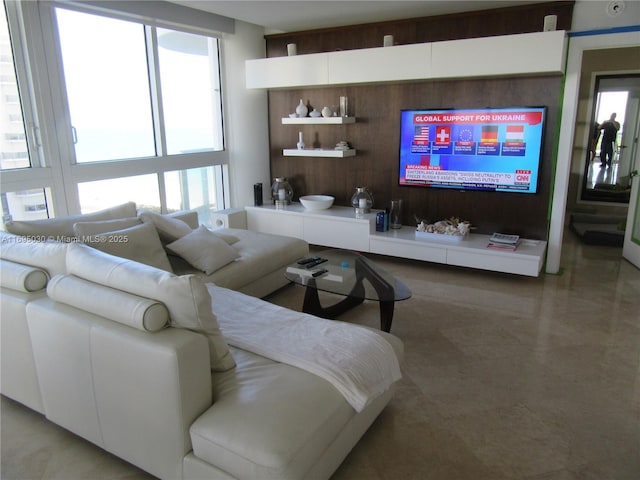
22, 278
62, 228
204, 250
140, 243
49, 256
88, 229
126, 308
130, 392
260, 255
18, 378
186, 297
259, 425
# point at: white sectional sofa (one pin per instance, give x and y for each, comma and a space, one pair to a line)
180, 377
251, 262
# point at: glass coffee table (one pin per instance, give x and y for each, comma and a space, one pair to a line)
351, 275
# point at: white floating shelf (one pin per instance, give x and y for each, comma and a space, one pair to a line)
318, 120
318, 152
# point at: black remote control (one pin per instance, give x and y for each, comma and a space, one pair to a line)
315, 263
317, 273
308, 260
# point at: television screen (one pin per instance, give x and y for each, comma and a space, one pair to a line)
496, 149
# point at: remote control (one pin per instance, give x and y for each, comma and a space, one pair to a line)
305, 261
315, 263
317, 273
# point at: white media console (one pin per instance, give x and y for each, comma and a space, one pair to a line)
338, 227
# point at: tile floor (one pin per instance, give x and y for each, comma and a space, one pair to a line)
505, 377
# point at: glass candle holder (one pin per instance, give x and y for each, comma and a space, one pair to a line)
281, 192
362, 200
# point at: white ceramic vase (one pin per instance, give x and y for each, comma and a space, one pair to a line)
302, 109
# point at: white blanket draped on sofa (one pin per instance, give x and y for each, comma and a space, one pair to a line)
359, 363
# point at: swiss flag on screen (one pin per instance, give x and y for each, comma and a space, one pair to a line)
443, 135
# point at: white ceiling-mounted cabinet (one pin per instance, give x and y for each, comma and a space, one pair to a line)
540, 53
386, 64
524, 54
282, 72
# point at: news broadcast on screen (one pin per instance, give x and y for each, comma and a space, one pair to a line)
495, 149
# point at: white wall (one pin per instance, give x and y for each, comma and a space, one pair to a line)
246, 115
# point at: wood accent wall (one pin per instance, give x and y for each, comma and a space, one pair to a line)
377, 107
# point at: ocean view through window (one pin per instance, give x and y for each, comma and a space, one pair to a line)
107, 86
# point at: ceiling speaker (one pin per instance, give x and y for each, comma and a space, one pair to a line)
615, 8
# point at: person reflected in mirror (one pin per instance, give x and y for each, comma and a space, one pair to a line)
609, 133
595, 136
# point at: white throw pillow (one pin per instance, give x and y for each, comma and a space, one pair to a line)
190, 217
140, 243
169, 229
204, 250
86, 229
230, 239
186, 296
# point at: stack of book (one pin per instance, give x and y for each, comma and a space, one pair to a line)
503, 241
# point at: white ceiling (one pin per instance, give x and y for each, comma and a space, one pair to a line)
291, 16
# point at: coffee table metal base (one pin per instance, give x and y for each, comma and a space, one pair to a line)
356, 297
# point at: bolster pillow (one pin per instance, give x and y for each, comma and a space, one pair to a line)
122, 307
22, 278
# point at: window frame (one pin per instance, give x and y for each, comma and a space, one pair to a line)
38, 60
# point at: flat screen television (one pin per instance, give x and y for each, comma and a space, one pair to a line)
492, 149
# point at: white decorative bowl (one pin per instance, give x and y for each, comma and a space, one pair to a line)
439, 236
317, 202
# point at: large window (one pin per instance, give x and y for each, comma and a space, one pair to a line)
122, 110
192, 189
190, 83
27, 203
13, 141
142, 189
107, 86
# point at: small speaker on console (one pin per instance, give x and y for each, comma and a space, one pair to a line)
229, 218
257, 194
